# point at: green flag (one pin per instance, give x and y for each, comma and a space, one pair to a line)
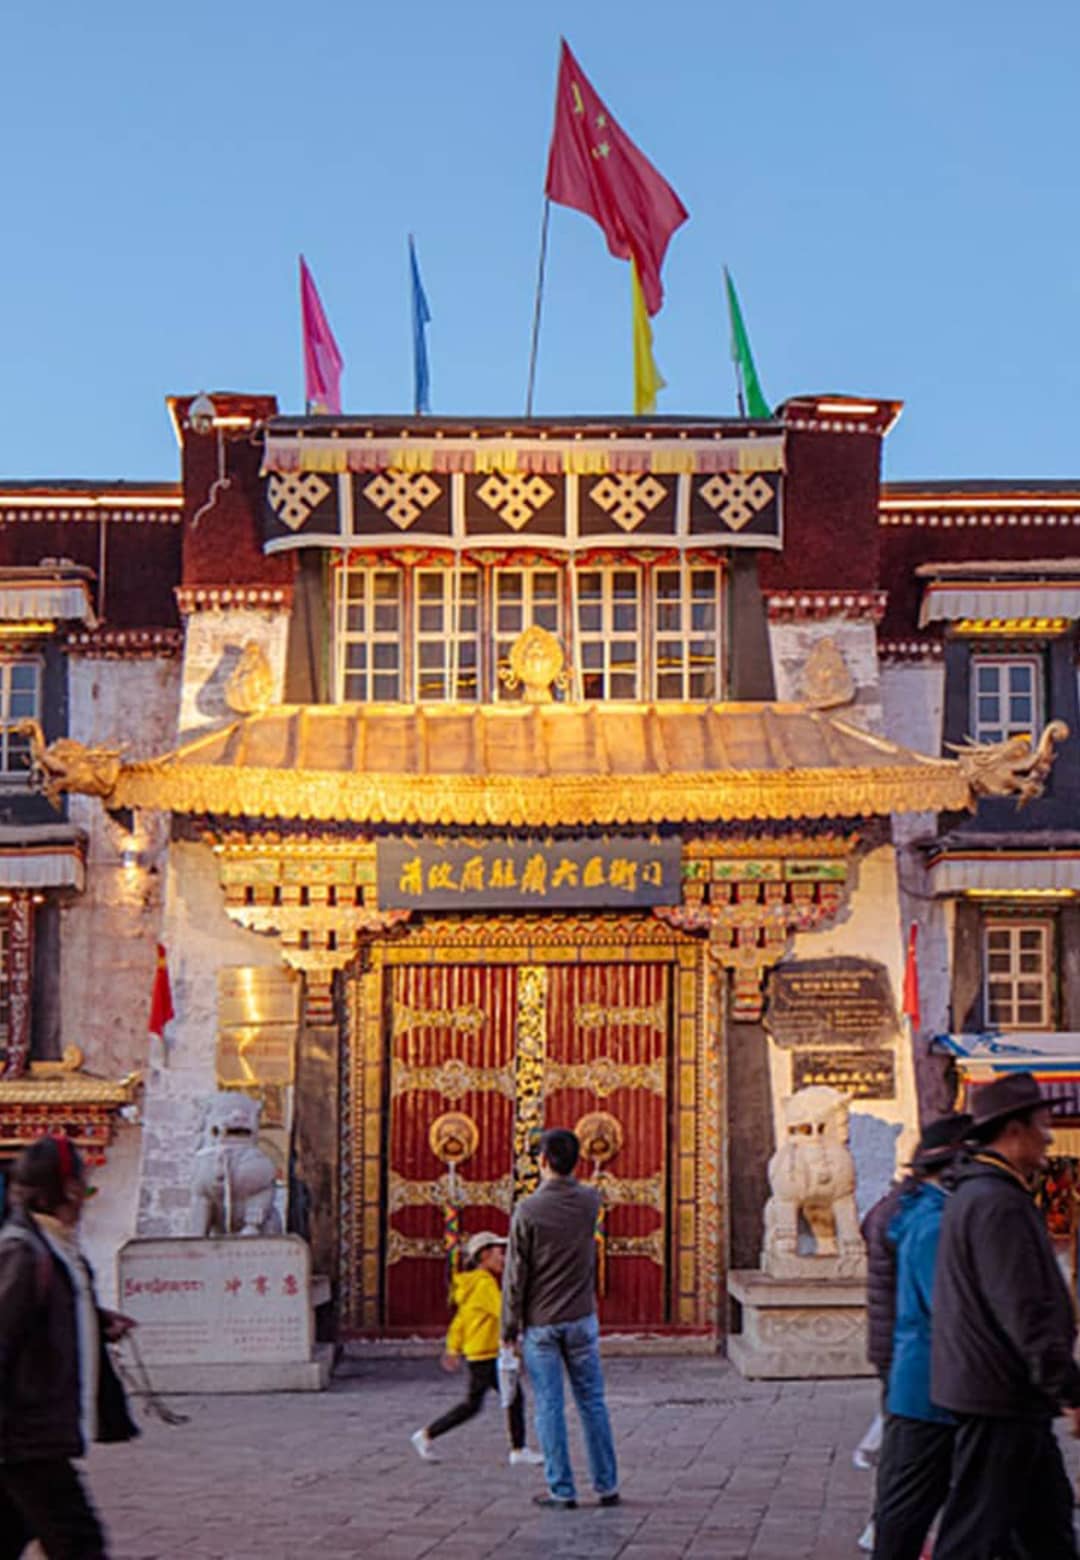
752, 402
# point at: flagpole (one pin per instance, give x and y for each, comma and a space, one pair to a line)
412, 295
740, 391
537, 307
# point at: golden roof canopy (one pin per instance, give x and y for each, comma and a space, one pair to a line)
538, 765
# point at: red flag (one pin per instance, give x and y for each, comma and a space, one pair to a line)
594, 167
161, 1003
911, 980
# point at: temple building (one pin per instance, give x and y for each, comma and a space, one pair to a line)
89, 653
519, 773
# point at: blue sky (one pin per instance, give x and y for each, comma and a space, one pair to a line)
894, 188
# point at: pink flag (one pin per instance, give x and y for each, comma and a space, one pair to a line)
323, 361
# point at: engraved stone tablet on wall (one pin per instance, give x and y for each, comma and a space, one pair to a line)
842, 1002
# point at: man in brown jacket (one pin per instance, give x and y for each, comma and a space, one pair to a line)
549, 1302
57, 1388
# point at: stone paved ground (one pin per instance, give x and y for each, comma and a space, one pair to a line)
711, 1466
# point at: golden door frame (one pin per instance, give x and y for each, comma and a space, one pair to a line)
698, 1169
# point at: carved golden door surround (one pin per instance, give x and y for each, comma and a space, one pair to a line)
696, 1196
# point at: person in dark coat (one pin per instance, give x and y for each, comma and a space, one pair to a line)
1003, 1338
936, 1148
57, 1387
916, 1453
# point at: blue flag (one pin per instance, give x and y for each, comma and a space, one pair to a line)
421, 318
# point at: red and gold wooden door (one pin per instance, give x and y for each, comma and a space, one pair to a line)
451, 1088
606, 1076
482, 1058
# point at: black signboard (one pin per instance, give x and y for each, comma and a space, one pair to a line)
836, 1002
528, 874
866, 1075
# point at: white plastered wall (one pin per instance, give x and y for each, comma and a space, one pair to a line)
883, 1132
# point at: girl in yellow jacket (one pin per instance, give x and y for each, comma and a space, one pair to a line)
474, 1333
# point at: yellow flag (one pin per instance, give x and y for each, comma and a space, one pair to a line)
648, 380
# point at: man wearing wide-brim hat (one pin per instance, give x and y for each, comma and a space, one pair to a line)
1003, 1339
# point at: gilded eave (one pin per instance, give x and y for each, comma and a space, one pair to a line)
542, 766
76, 1089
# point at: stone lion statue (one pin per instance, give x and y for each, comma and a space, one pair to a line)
812, 1175
234, 1179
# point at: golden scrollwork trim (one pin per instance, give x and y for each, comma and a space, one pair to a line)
402, 1193
604, 1076
529, 1070
467, 1019
454, 1079
644, 1191
400, 1248
597, 1015
650, 1246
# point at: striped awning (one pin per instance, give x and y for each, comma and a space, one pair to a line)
1001, 871
1054, 1057
48, 856
45, 601
948, 601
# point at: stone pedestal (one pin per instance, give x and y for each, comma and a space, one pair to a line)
794, 1328
228, 1315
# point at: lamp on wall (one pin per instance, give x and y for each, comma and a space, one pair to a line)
203, 419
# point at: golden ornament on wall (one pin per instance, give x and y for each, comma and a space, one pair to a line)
827, 682
454, 1137
537, 664
250, 688
600, 1135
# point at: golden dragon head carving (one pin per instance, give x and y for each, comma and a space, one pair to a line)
1010, 768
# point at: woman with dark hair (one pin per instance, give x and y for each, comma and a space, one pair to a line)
58, 1391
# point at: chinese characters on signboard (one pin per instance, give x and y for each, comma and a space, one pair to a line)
214, 1301
838, 1018
528, 874
841, 1001
865, 1075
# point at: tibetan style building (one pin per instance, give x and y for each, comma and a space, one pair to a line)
89, 653
541, 772
979, 640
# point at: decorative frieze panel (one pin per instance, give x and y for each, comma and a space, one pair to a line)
503, 505
317, 896
749, 906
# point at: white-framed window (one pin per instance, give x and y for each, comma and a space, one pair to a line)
609, 623
687, 640
435, 632
368, 640
20, 699
521, 597
1006, 696
1018, 962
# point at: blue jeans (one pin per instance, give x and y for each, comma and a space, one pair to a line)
575, 1345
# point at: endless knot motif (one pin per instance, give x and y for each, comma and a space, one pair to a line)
514, 497
402, 496
292, 498
735, 497
627, 498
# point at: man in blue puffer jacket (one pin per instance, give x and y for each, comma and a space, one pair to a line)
916, 1453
